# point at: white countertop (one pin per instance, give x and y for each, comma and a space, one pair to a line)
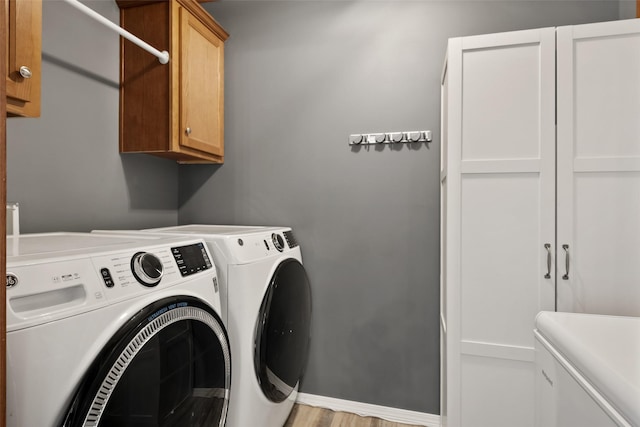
605, 349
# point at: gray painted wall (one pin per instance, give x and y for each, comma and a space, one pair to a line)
64, 167
627, 9
302, 76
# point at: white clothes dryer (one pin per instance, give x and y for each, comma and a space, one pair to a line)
587, 370
269, 316
114, 331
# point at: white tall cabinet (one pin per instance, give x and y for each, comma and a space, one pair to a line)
540, 165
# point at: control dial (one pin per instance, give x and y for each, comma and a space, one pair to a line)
278, 241
147, 268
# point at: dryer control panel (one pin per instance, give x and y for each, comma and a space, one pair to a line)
253, 247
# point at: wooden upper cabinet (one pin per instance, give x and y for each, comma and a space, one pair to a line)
24, 50
174, 110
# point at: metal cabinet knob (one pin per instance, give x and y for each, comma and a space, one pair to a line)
188, 131
25, 72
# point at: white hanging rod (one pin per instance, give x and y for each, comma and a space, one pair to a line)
163, 56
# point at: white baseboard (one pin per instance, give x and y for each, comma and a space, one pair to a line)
368, 410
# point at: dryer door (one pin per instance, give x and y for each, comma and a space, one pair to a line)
282, 331
168, 366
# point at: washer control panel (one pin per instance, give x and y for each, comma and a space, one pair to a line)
124, 272
65, 285
191, 259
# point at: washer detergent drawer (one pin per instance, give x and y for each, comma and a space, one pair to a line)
563, 397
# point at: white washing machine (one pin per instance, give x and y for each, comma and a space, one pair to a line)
587, 370
268, 316
114, 331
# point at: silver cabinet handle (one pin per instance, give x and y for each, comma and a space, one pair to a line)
188, 131
25, 72
547, 246
566, 262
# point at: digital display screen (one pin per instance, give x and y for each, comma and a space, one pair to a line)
191, 258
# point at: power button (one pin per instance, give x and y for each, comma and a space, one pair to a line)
106, 276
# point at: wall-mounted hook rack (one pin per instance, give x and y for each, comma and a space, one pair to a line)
390, 137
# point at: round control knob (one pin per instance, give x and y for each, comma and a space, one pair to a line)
278, 241
147, 268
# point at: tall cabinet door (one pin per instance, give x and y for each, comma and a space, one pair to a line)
599, 168
500, 221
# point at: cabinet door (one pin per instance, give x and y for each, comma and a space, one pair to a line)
201, 87
599, 168
24, 45
500, 209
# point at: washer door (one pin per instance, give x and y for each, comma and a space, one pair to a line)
282, 331
168, 366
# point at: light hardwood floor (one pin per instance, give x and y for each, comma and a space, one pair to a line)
309, 416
